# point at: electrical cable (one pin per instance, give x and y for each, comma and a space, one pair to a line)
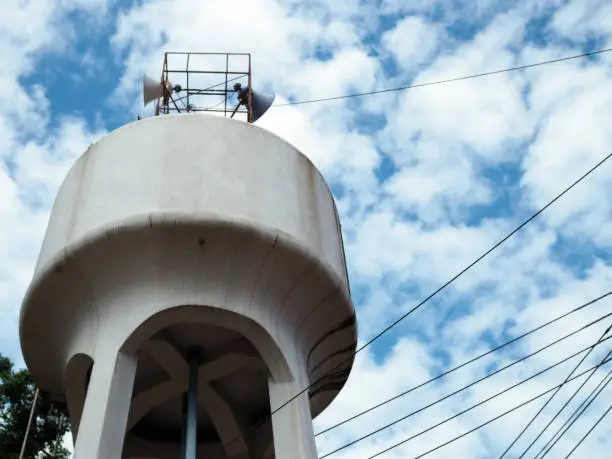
225, 82
570, 420
396, 445
449, 80
200, 91
462, 365
430, 296
550, 399
558, 413
578, 411
215, 105
590, 430
453, 279
29, 425
412, 413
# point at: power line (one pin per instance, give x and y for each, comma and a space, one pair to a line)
449, 80
225, 82
468, 362
217, 104
558, 413
200, 91
550, 399
396, 445
462, 389
578, 412
570, 420
432, 295
449, 282
30, 418
590, 430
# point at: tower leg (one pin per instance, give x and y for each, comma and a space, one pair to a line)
292, 425
103, 422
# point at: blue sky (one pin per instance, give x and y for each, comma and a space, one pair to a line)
426, 179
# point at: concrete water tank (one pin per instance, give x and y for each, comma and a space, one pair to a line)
191, 234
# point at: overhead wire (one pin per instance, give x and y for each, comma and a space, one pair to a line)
505, 413
432, 295
464, 364
577, 413
412, 413
200, 91
454, 278
217, 104
29, 425
413, 86
590, 430
226, 95
558, 413
395, 323
406, 87
535, 416
448, 80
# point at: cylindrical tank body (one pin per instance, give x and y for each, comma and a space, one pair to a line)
187, 232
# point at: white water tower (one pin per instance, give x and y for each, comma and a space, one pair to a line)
192, 279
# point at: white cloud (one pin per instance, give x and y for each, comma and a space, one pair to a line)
43, 166
441, 181
438, 205
578, 19
573, 137
284, 46
412, 41
486, 114
35, 153
350, 70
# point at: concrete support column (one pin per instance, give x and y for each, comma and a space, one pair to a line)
292, 425
107, 406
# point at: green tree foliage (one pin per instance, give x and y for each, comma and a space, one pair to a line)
16, 396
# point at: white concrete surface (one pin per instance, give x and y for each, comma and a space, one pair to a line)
195, 219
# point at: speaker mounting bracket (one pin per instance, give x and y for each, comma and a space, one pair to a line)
198, 82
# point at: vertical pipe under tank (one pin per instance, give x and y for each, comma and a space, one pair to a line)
190, 437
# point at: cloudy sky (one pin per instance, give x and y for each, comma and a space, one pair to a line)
426, 180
